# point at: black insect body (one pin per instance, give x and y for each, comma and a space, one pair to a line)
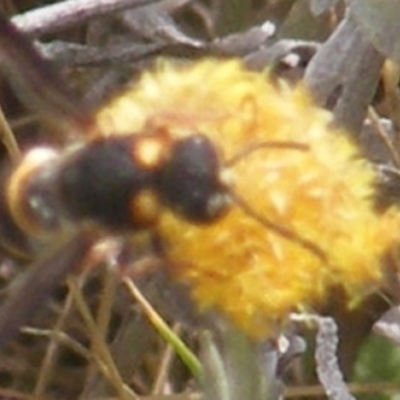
118, 183
122, 183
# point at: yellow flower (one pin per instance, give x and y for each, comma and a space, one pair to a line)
236, 265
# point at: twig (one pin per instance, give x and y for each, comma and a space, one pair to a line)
71, 12
328, 369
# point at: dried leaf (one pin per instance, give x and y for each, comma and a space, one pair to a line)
379, 20
318, 7
389, 325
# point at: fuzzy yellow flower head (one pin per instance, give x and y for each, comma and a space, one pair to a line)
321, 193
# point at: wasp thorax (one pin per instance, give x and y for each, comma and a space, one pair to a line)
101, 182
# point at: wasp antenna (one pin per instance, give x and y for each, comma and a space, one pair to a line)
284, 145
280, 230
36, 82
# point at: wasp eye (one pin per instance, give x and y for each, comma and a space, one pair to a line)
190, 182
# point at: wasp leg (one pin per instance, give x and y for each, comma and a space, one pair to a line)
33, 291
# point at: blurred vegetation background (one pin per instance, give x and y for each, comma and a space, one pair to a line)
346, 52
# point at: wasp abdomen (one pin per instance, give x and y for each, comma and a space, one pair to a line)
30, 193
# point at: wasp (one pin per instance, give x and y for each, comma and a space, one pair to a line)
107, 184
